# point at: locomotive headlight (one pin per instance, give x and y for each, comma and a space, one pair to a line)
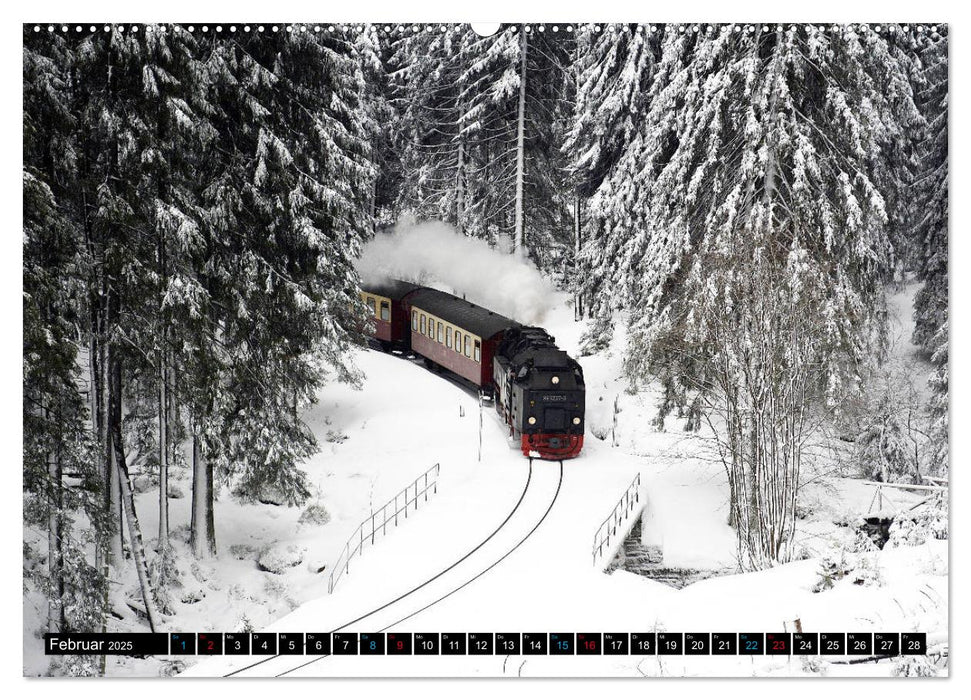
555, 380
532, 420
576, 421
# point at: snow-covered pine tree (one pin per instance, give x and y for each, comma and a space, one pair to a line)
118, 198
883, 447
176, 130
614, 68
192, 209
930, 235
380, 122
62, 488
931, 190
892, 64
301, 168
939, 409
755, 249
615, 65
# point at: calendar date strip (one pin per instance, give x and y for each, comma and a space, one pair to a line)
866, 644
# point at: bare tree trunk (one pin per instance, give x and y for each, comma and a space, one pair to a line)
460, 188
173, 410
96, 363
116, 549
203, 529
163, 456
93, 384
116, 540
127, 493
578, 299
732, 501
55, 554
163, 415
520, 148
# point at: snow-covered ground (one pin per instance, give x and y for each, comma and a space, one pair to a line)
406, 419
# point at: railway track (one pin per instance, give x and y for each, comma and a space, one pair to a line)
535, 502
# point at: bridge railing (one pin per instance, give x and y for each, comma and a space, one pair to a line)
387, 515
879, 496
615, 522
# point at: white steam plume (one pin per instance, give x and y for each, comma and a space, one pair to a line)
433, 254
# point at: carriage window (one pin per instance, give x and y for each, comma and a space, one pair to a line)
448, 337
468, 346
478, 351
458, 341
441, 331
431, 328
370, 303
385, 311
423, 324
414, 320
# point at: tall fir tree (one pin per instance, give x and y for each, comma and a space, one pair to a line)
614, 69
304, 180
931, 234
62, 488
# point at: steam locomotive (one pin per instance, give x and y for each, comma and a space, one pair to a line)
537, 388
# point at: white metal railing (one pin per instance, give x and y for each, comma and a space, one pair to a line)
380, 518
879, 497
617, 518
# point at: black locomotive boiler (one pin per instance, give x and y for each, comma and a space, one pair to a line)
539, 392
538, 388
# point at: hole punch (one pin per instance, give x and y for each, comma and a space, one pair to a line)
485, 29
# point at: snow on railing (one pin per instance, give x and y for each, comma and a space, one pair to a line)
617, 519
380, 518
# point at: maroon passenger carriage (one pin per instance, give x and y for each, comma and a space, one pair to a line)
538, 389
385, 301
456, 334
